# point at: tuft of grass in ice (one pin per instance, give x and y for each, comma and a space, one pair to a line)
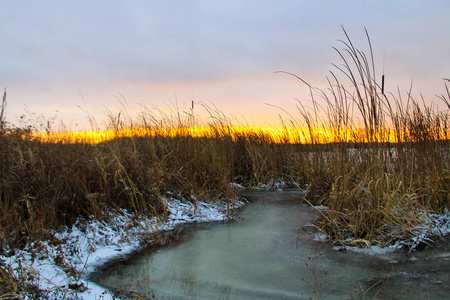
387, 163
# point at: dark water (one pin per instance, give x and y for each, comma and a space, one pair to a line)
269, 256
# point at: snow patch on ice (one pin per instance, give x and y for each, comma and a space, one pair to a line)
372, 250
277, 185
320, 237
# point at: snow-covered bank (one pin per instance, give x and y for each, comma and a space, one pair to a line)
432, 228
272, 185
60, 267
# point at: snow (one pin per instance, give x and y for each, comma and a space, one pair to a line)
272, 185
278, 185
433, 227
61, 267
372, 250
320, 237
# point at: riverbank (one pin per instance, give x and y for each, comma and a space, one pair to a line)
269, 255
59, 268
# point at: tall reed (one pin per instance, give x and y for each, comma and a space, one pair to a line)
387, 163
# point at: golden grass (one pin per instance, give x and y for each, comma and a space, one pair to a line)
279, 135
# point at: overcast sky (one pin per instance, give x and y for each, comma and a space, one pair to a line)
58, 55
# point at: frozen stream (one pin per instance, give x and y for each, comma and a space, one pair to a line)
268, 255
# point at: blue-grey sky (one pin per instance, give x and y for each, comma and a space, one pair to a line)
56, 55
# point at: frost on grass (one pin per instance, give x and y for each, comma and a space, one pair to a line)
432, 227
272, 185
429, 229
59, 267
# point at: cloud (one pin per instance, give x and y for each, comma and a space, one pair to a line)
50, 50
194, 41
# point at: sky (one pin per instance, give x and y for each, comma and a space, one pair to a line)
63, 61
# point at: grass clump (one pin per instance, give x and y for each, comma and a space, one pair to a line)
387, 164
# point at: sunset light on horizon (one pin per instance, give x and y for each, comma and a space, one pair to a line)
277, 135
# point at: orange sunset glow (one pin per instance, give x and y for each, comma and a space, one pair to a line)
290, 135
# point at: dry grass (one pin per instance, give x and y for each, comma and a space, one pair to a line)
396, 169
